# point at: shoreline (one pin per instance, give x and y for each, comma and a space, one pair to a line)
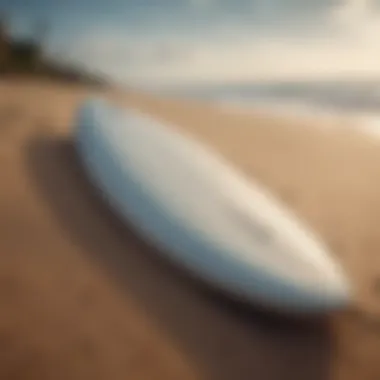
295, 112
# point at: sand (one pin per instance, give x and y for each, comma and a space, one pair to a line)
82, 297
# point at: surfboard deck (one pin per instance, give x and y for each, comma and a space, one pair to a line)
204, 214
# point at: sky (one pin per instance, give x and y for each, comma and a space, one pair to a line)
149, 42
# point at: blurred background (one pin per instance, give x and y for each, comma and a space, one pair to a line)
297, 53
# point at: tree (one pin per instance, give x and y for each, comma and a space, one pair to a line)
4, 43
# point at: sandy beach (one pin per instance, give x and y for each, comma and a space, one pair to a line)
82, 297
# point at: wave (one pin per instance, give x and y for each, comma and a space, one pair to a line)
354, 103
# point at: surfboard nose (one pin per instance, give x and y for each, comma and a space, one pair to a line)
325, 292
334, 292
328, 291
340, 292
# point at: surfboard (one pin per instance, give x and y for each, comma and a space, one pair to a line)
204, 214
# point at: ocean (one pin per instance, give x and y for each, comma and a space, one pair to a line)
356, 102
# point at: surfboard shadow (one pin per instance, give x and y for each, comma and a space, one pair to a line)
225, 338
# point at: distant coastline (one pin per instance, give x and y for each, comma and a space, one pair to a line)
26, 57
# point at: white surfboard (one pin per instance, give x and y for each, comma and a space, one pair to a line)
204, 214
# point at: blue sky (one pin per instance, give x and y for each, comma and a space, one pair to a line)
178, 41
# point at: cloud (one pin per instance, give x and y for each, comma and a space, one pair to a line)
110, 47
342, 42
176, 61
270, 60
202, 4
